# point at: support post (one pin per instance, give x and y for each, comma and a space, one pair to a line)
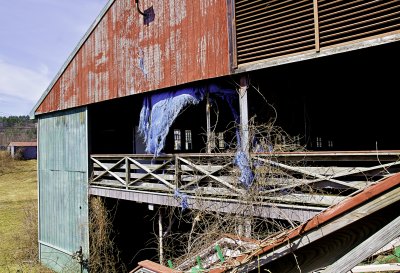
208, 117
244, 115
177, 172
160, 235
127, 172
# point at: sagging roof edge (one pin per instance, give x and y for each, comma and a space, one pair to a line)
71, 56
154, 267
324, 217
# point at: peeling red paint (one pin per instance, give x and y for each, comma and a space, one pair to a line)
187, 41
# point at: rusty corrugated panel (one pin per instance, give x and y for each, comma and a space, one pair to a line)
338, 210
185, 41
153, 267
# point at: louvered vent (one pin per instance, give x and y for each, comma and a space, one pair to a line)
270, 28
273, 28
345, 21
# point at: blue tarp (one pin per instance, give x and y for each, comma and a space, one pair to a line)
160, 110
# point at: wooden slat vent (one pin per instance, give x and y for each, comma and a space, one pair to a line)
274, 28
270, 28
345, 21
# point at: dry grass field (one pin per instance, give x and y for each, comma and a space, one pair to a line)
18, 215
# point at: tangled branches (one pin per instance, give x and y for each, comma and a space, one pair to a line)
200, 229
103, 253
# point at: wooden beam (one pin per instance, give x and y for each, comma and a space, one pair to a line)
107, 170
223, 205
378, 240
324, 230
204, 176
211, 176
143, 167
301, 170
149, 172
244, 114
316, 26
160, 235
376, 268
208, 119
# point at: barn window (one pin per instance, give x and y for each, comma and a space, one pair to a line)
177, 139
221, 141
319, 142
188, 139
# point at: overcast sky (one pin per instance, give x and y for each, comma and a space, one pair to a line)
36, 38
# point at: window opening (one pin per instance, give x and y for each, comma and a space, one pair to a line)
188, 140
177, 139
319, 142
221, 141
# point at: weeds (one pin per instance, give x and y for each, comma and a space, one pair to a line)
104, 256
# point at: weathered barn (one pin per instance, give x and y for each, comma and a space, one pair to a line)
150, 94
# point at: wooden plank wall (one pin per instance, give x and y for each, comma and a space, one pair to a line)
185, 41
63, 175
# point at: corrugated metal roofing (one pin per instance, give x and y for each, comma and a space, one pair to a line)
327, 215
149, 266
373, 192
122, 54
23, 144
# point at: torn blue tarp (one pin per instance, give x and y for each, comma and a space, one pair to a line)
183, 198
246, 173
160, 110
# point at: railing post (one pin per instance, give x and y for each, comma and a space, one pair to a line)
316, 26
127, 172
91, 169
177, 172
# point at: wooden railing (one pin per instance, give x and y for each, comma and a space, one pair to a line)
317, 178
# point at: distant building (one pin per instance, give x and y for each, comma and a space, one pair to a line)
26, 150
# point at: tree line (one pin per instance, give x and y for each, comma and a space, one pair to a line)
17, 128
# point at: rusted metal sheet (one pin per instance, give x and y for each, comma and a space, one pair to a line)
184, 41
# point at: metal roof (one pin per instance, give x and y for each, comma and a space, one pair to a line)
317, 221
71, 56
23, 144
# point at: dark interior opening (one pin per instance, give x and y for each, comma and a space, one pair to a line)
136, 230
345, 100
112, 125
134, 227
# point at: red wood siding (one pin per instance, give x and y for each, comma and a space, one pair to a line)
187, 41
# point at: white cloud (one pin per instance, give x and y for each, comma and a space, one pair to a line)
37, 36
24, 83
14, 106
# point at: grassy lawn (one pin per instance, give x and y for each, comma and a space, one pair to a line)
18, 215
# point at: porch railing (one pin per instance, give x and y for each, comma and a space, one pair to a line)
317, 178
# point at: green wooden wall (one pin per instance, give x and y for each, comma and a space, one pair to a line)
63, 188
